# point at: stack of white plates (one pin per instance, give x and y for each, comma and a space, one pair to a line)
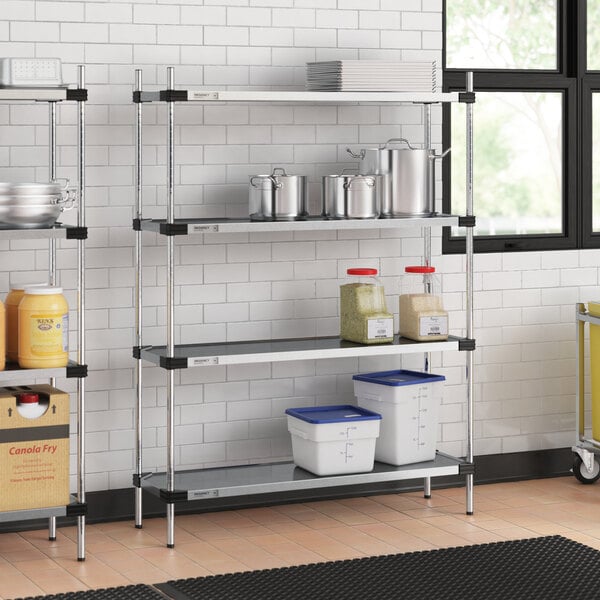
371, 76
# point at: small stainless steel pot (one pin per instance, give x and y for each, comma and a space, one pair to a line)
409, 187
351, 196
278, 196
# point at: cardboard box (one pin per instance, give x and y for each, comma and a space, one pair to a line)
34, 453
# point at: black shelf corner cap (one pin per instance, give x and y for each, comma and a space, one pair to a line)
77, 233
137, 479
174, 496
78, 509
466, 468
77, 371
171, 363
137, 352
173, 95
466, 221
137, 97
79, 94
137, 224
173, 229
466, 345
466, 97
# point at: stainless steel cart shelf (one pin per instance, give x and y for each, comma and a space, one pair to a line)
13, 375
261, 351
174, 486
271, 97
201, 484
190, 226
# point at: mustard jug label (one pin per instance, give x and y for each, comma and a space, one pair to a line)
49, 334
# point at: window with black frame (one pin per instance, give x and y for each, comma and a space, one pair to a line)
526, 57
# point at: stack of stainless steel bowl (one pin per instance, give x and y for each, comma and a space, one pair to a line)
33, 205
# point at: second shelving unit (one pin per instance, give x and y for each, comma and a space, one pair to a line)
13, 375
175, 487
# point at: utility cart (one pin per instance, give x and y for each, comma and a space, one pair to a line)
586, 466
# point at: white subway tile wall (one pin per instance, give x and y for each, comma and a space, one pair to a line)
234, 287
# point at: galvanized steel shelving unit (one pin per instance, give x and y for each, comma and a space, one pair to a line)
199, 484
13, 375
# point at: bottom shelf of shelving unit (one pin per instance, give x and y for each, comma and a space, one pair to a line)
73, 509
286, 476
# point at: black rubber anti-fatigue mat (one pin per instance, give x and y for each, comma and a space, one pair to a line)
129, 592
547, 568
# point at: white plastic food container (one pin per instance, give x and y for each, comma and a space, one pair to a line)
408, 402
333, 440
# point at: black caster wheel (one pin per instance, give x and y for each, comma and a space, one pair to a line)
582, 474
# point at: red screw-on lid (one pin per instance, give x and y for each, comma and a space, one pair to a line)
419, 269
362, 271
28, 398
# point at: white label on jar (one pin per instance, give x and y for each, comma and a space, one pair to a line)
380, 328
433, 325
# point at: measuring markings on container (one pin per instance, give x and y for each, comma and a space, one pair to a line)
203, 228
203, 361
198, 494
203, 95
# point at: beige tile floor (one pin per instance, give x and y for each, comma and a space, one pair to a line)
221, 542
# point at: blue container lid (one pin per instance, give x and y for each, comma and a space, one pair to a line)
333, 414
397, 378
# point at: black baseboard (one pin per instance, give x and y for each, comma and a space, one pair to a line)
118, 505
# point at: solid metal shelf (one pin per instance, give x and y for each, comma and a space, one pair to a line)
263, 351
42, 94
270, 96
244, 480
13, 373
190, 226
71, 510
58, 231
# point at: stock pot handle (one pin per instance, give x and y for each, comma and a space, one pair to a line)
435, 156
275, 169
397, 141
360, 155
370, 181
274, 183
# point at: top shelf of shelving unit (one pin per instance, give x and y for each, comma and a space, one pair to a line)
54, 94
300, 96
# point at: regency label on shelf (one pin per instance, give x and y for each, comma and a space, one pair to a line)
203, 361
196, 228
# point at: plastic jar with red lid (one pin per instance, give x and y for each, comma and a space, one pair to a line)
364, 317
422, 315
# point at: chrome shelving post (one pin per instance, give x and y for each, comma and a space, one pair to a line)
469, 285
81, 222
138, 301
52, 255
427, 254
170, 309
